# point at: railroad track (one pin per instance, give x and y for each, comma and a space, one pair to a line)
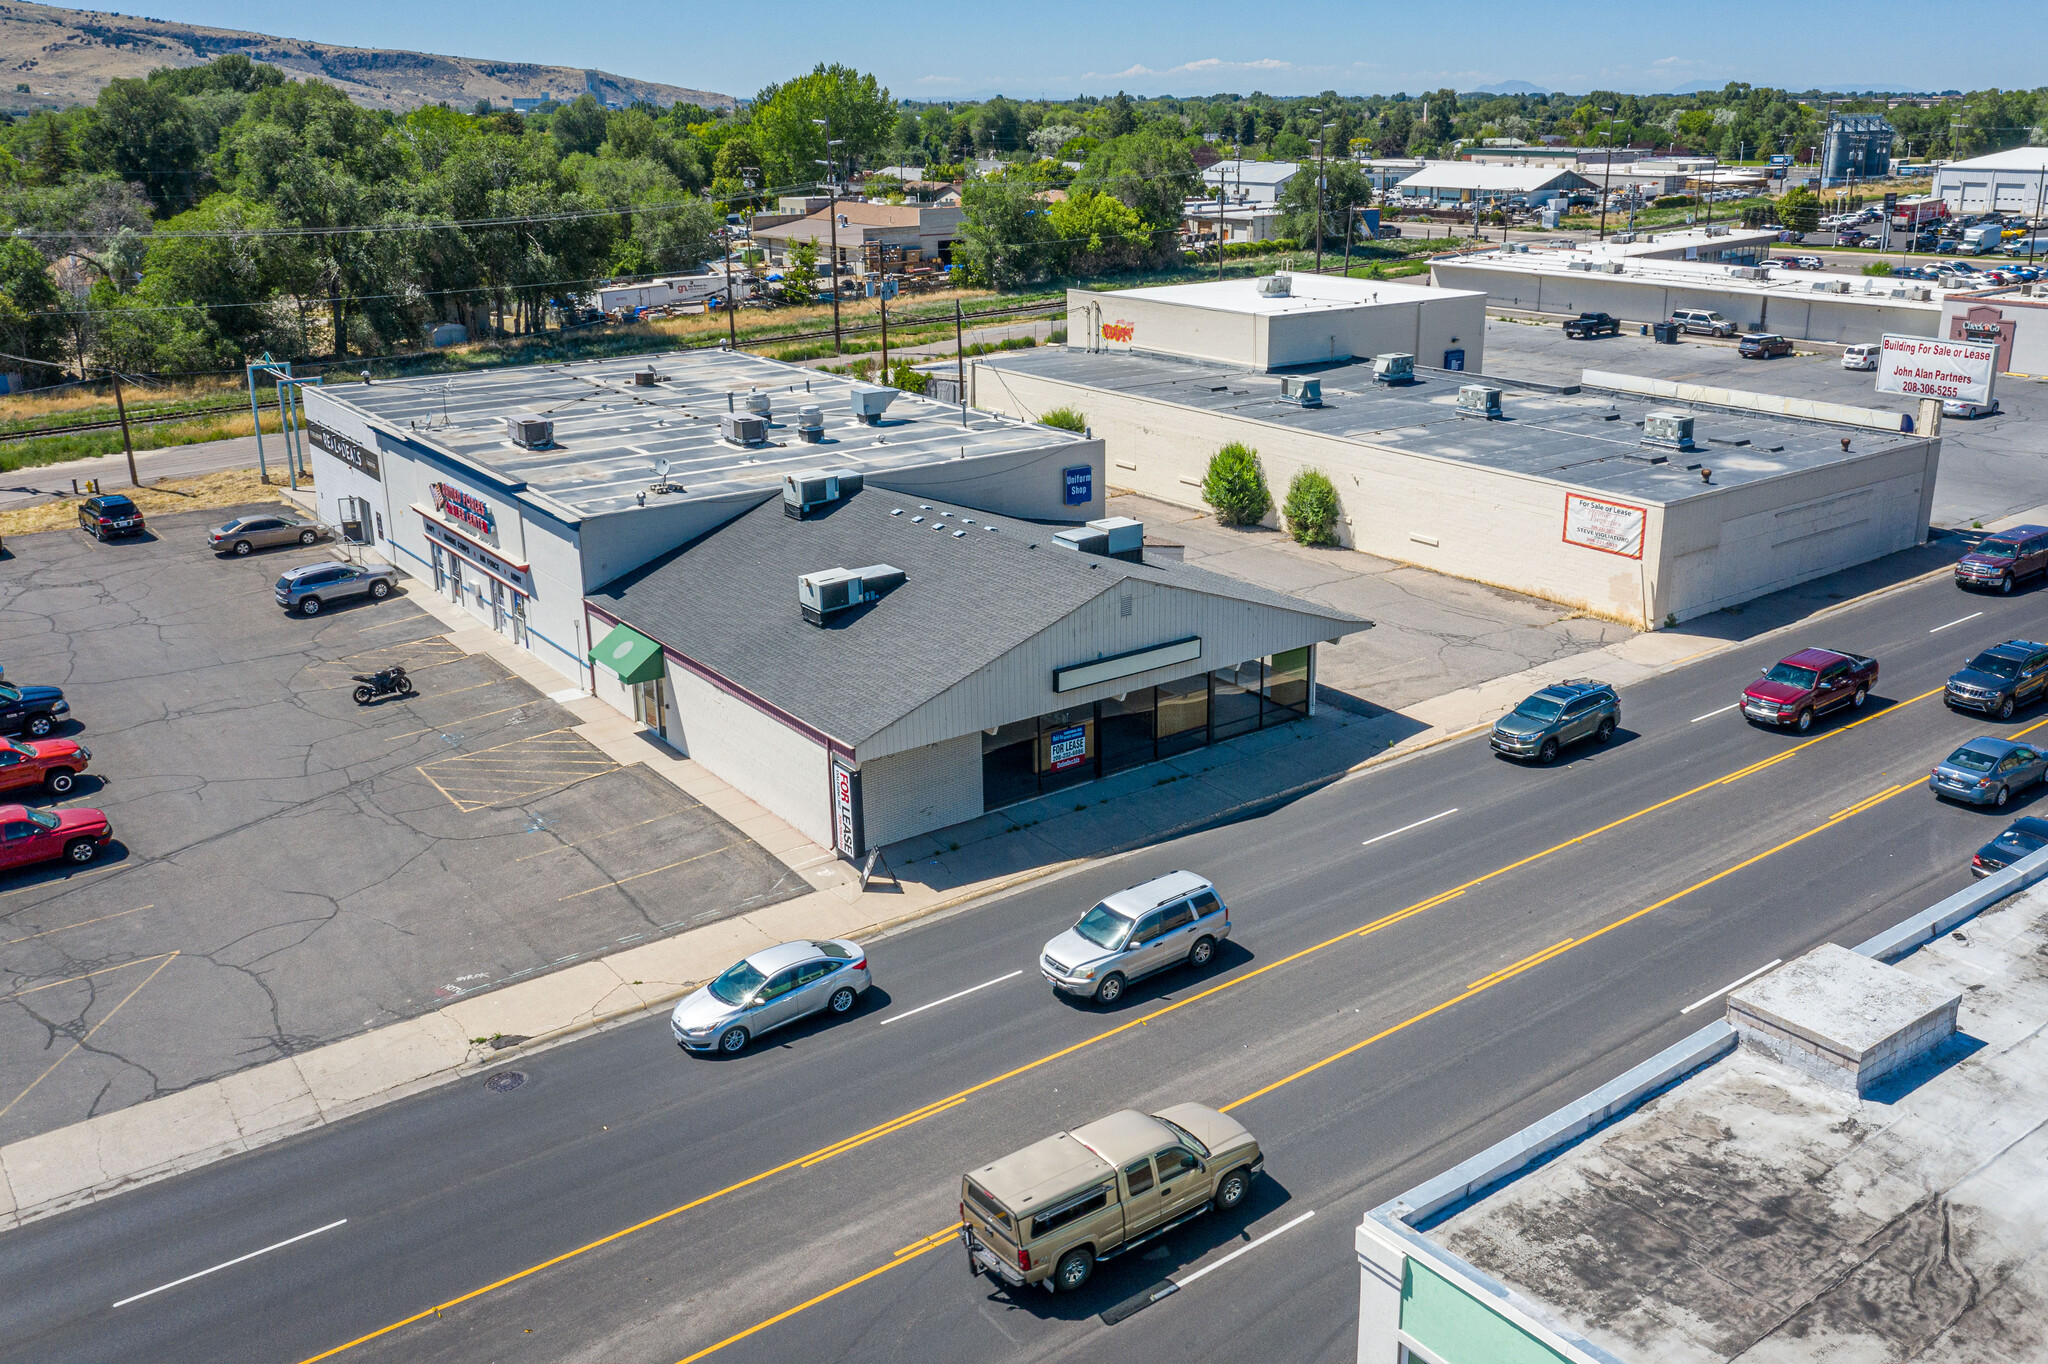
114, 423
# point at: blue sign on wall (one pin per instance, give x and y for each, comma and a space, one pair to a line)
1080, 485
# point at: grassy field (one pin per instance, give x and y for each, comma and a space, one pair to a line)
228, 488
40, 450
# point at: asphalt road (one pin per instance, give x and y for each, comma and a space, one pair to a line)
1369, 1023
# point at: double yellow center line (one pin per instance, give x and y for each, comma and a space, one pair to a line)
918, 1115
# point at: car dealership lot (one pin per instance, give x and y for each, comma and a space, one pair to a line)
290, 868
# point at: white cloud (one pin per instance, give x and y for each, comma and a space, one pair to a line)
1200, 66
941, 80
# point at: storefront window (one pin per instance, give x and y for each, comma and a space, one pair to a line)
1125, 730
1234, 701
1066, 748
1287, 683
1183, 715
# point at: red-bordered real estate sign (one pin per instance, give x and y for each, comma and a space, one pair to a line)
1610, 527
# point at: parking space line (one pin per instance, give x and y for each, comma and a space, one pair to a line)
581, 842
430, 729
229, 1264
103, 971
1958, 621
897, 1018
638, 874
166, 960
61, 881
80, 924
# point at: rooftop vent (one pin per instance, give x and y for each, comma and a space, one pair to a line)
1301, 392
810, 424
758, 404
824, 595
744, 428
870, 401
532, 433
1275, 286
804, 493
1477, 400
646, 378
1393, 368
1672, 430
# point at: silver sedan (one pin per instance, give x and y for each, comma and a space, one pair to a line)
769, 989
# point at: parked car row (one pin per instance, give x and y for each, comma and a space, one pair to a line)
28, 835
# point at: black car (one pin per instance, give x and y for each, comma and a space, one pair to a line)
31, 710
2024, 835
1763, 345
2001, 679
110, 514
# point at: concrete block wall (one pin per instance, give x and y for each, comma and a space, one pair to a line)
788, 773
921, 789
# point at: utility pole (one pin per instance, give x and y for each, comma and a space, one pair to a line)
1219, 229
1350, 230
885, 338
1607, 174
832, 226
960, 360
126, 444
1321, 149
732, 303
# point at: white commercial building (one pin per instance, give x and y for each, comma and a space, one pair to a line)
1251, 182
1284, 321
1466, 181
2014, 181
1646, 280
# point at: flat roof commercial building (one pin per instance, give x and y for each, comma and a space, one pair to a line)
1284, 320
1852, 1164
2014, 181
1251, 182
926, 231
2013, 318
1591, 498
1646, 280
426, 472
985, 659
1466, 181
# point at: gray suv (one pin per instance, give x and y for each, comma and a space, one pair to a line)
1561, 714
2001, 679
309, 587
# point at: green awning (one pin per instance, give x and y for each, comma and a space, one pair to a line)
630, 654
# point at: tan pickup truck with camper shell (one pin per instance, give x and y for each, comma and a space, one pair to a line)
1049, 1212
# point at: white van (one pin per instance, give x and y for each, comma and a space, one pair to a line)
1861, 357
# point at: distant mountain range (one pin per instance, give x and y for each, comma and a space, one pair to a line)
1513, 88
56, 57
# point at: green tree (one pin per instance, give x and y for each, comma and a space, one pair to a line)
800, 274
1235, 486
858, 114
1152, 173
140, 132
1004, 234
1311, 508
1345, 187
580, 125
1094, 233
1799, 209
29, 327
905, 376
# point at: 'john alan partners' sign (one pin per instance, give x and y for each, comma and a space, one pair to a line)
357, 456
466, 508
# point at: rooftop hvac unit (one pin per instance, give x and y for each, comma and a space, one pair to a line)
1716, 230
533, 433
824, 595
1748, 272
758, 404
1672, 430
646, 378
744, 428
1393, 368
1125, 538
870, 401
806, 492
1608, 267
1831, 286
810, 424
1920, 293
1275, 286
1086, 539
1578, 265
1477, 400
1623, 237
1516, 248
1302, 392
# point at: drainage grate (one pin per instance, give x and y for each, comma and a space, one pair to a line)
505, 1081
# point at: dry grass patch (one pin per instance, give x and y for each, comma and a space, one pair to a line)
228, 488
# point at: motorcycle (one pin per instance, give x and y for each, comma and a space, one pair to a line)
391, 682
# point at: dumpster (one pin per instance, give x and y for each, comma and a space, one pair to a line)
1666, 333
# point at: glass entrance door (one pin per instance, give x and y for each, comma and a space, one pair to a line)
650, 706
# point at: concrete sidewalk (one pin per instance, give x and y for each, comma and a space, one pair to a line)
105, 1155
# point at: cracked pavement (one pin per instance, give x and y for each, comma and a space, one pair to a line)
284, 873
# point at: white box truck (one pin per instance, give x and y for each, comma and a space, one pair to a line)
1983, 238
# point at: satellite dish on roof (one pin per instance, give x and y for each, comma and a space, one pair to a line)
661, 469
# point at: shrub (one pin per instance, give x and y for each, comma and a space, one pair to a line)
1236, 486
910, 380
1311, 508
1066, 419
1878, 268
1673, 201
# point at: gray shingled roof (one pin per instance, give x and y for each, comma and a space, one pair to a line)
729, 601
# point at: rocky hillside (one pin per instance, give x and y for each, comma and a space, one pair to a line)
51, 57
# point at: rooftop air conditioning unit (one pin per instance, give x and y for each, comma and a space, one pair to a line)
806, 492
870, 401
1087, 539
810, 424
743, 428
1673, 430
1517, 248
1748, 272
1716, 230
1920, 293
1477, 400
1623, 237
1393, 368
1275, 286
1578, 265
533, 433
1302, 392
1608, 267
1125, 538
824, 595
1831, 286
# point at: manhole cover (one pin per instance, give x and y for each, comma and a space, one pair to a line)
505, 1081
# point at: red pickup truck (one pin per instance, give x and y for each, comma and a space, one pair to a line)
1809, 683
53, 764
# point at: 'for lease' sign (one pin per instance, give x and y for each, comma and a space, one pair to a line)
1611, 527
1930, 367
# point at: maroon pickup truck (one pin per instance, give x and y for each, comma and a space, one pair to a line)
1809, 683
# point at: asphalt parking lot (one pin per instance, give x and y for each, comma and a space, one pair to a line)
1990, 467
291, 868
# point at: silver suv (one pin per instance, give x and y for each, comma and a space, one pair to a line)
1169, 920
310, 587
1702, 322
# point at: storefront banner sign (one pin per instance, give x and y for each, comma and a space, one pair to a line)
1610, 527
467, 509
514, 576
1930, 367
846, 821
1067, 748
356, 455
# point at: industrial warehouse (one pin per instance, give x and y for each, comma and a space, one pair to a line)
701, 541
1642, 506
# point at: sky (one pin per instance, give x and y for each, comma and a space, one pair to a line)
1060, 48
